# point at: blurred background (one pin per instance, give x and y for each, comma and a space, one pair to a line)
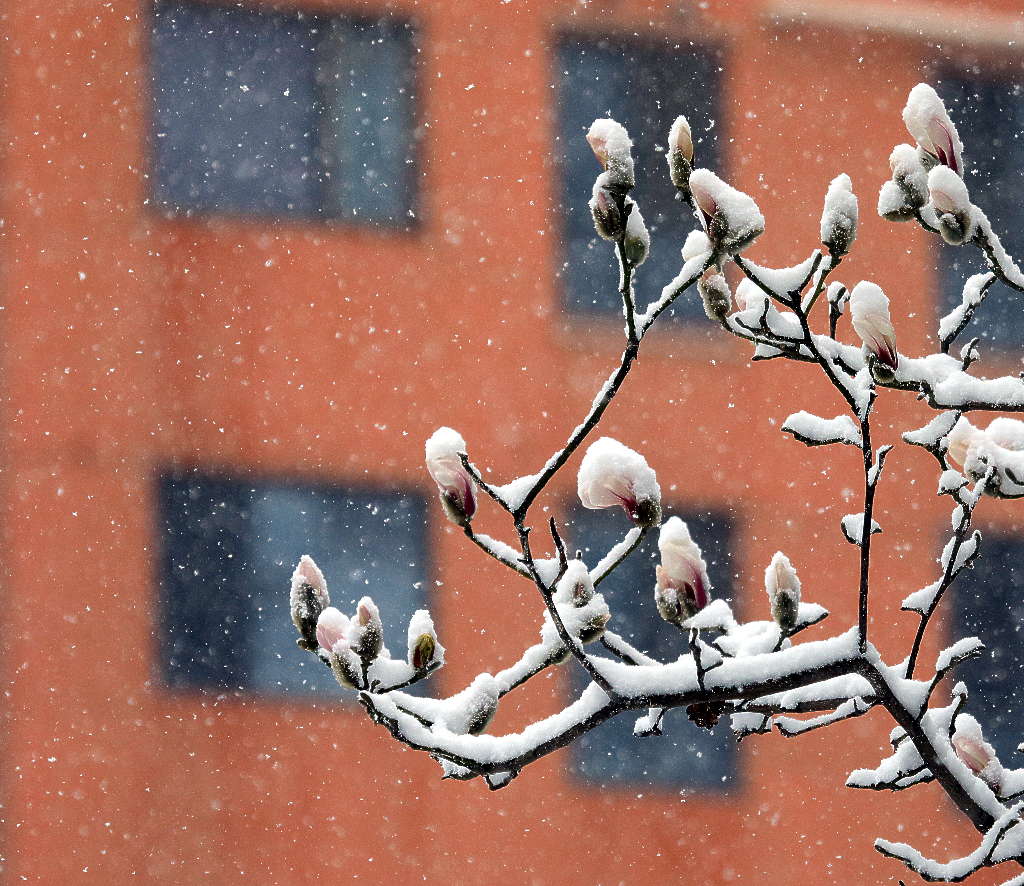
253, 254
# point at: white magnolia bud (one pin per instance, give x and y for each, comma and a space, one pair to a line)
614, 475
637, 242
715, 294
909, 175
454, 483
952, 204
682, 586
730, 217
839, 218
927, 121
680, 153
869, 311
612, 146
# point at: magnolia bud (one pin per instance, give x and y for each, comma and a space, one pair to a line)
783, 587
368, 631
612, 146
422, 652
893, 204
683, 587
976, 753
951, 203
909, 175
595, 627
308, 598
607, 216
750, 295
927, 121
730, 217
612, 474
839, 218
454, 483
331, 628
680, 154
637, 243
344, 667
423, 648
869, 312
715, 294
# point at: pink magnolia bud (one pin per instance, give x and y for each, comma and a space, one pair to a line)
959, 441
927, 121
454, 483
367, 636
869, 311
307, 599
612, 474
749, 295
976, 753
612, 146
332, 629
682, 585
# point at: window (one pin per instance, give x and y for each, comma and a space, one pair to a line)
686, 756
228, 551
994, 158
645, 88
282, 113
990, 605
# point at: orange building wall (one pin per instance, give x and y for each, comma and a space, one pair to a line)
131, 342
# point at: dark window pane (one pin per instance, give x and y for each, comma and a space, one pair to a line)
989, 115
229, 548
367, 143
645, 87
685, 756
282, 113
990, 605
235, 109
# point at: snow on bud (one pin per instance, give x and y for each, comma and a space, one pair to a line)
714, 294
927, 121
959, 441
332, 628
730, 217
637, 242
682, 586
909, 175
307, 599
783, 587
696, 244
839, 218
478, 704
869, 311
750, 295
837, 295
680, 153
976, 753
575, 586
454, 484
893, 204
613, 474
367, 632
952, 204
612, 146
424, 650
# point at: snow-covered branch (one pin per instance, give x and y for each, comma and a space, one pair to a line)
759, 673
